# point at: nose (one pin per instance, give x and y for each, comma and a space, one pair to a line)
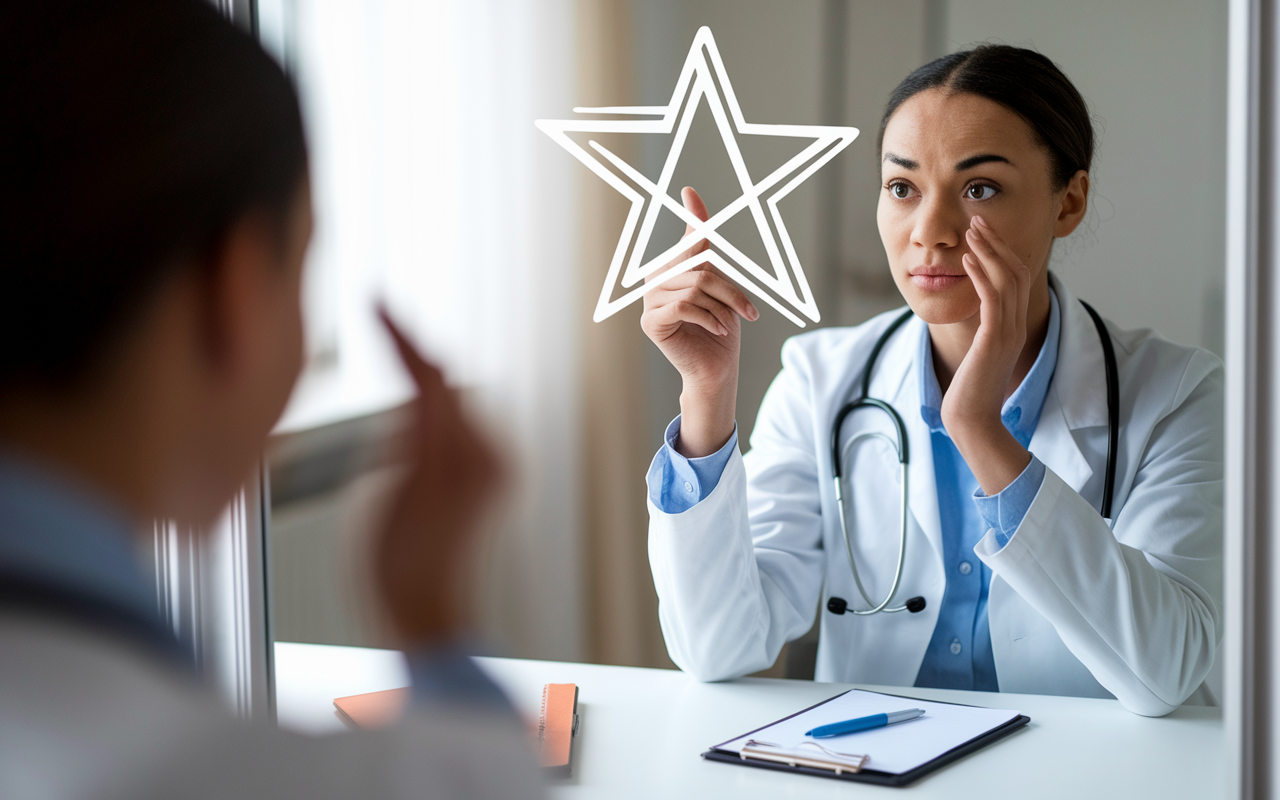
939, 225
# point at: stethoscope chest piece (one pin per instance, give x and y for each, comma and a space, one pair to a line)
838, 605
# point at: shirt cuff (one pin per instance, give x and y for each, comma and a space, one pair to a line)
676, 483
446, 675
1003, 512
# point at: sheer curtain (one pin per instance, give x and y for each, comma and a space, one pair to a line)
435, 194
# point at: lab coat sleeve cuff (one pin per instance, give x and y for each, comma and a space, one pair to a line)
446, 675
676, 483
1004, 511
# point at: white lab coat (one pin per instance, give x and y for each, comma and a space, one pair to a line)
1077, 607
86, 715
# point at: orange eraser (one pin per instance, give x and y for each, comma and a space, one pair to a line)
374, 709
556, 724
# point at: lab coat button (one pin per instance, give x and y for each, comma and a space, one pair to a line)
965, 568
955, 647
688, 487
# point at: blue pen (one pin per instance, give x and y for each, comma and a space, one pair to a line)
863, 723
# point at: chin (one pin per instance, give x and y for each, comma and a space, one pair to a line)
942, 307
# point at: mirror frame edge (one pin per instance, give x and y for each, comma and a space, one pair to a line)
1250, 367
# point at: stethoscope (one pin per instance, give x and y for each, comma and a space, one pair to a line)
838, 605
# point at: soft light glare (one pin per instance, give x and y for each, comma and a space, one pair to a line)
380, 95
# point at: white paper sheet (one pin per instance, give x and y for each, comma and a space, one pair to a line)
894, 748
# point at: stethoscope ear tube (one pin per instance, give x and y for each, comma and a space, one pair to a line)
1113, 409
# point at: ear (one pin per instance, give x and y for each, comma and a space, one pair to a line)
236, 276
249, 340
1073, 202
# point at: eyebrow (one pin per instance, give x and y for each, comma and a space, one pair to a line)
968, 163
985, 158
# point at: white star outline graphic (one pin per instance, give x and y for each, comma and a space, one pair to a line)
699, 69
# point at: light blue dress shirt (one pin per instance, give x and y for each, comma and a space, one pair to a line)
676, 483
959, 654
56, 534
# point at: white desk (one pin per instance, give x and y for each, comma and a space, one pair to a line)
642, 730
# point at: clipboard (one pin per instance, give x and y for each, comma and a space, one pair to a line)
842, 769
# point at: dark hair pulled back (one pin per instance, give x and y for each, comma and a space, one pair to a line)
1021, 80
133, 135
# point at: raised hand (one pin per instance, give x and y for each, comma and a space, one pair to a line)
695, 320
421, 556
973, 402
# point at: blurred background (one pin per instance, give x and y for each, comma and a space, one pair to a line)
435, 194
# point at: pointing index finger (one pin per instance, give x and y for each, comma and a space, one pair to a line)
425, 376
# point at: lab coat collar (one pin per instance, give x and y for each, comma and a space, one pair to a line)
1077, 397
1080, 380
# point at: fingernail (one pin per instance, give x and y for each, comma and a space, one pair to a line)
724, 331
755, 313
978, 219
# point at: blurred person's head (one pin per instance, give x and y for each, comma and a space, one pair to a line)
154, 214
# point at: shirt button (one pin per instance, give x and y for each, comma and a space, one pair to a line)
688, 487
955, 647
965, 568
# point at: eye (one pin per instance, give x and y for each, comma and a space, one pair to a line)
980, 191
899, 190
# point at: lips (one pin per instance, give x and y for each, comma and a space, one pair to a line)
936, 278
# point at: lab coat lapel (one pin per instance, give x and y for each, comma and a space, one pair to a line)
1077, 396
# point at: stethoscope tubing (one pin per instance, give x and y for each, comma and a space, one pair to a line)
1113, 410
902, 540
901, 448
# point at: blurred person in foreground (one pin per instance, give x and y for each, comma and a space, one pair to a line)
154, 215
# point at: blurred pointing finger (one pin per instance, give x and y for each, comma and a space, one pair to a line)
425, 376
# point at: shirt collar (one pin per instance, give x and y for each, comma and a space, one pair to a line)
1021, 412
56, 532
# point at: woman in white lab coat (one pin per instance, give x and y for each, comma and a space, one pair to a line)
999, 379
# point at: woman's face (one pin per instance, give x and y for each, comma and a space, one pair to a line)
945, 159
